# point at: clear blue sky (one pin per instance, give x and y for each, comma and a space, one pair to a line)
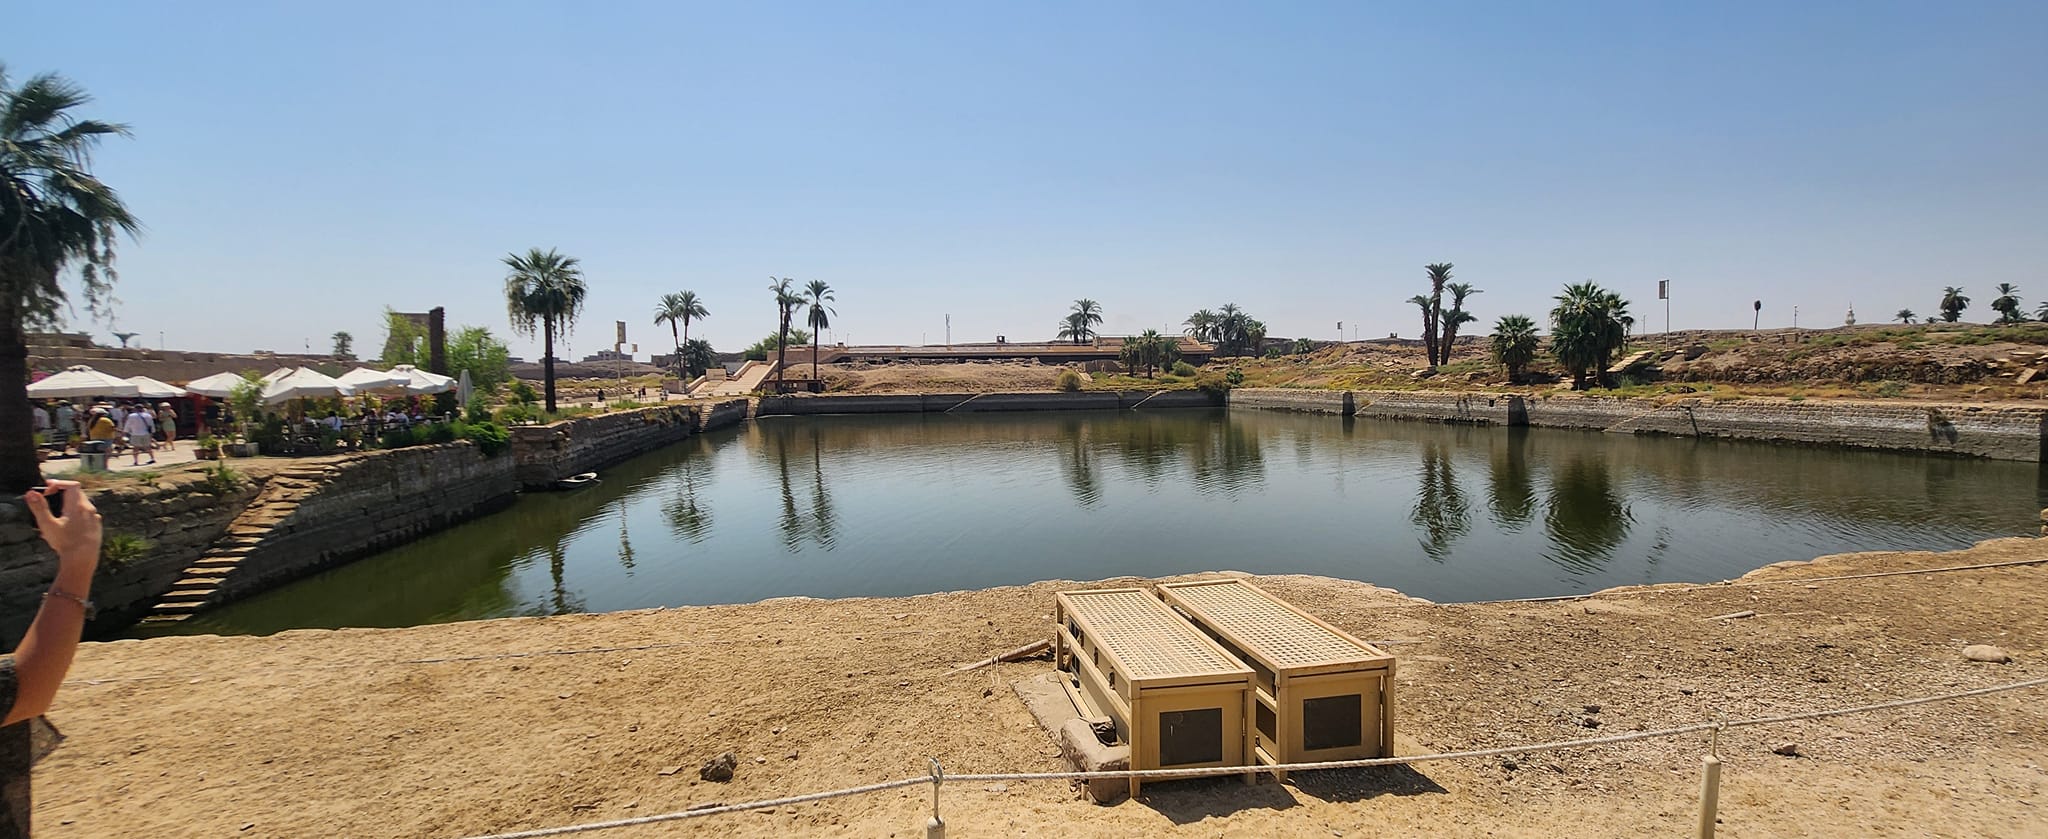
301, 166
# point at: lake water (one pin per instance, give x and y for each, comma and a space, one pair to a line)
896, 505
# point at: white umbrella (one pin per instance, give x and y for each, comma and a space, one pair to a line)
420, 382
304, 383
218, 385
364, 378
80, 381
149, 388
279, 373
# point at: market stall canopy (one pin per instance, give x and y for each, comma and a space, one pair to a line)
279, 373
364, 378
218, 385
149, 388
420, 382
79, 381
304, 383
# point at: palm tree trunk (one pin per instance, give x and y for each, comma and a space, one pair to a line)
681, 363
781, 351
19, 470
547, 361
814, 360
679, 348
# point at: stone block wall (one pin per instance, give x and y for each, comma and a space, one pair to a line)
1999, 432
548, 453
1292, 399
934, 403
178, 517
724, 414
375, 501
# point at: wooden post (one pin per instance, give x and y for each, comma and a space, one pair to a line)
1710, 796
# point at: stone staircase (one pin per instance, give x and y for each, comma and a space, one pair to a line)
1633, 361
200, 586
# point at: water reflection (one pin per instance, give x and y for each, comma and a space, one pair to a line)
893, 505
1511, 493
1586, 518
1440, 509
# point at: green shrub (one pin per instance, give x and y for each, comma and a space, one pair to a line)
515, 415
479, 410
1235, 377
1067, 380
1215, 384
490, 438
1184, 369
221, 479
119, 549
394, 438
524, 393
270, 435
1890, 390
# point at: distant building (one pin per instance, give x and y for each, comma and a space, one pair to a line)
606, 355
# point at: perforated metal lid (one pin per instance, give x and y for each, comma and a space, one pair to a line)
1149, 639
1267, 628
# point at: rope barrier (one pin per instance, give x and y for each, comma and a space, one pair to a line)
1715, 727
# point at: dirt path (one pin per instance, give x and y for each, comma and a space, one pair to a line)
318, 733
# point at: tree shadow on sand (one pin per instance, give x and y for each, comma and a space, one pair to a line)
1190, 801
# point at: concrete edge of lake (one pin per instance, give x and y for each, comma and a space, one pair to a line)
1995, 432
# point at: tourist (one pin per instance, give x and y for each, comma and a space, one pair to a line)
334, 422
141, 437
67, 421
41, 418
101, 431
30, 678
167, 422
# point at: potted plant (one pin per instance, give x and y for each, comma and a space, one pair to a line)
208, 448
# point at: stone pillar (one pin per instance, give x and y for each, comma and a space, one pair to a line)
437, 340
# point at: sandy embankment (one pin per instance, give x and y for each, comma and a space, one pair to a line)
343, 733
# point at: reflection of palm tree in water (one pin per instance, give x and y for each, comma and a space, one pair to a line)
1587, 518
1511, 494
562, 603
1440, 507
1229, 461
687, 518
1077, 463
822, 522
625, 540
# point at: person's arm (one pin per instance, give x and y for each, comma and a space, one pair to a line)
46, 650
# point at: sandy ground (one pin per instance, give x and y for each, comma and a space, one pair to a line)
350, 733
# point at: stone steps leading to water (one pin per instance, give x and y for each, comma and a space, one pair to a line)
199, 587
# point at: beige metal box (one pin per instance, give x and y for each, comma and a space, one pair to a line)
1175, 695
1320, 693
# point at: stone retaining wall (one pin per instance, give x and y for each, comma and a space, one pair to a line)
548, 453
178, 517
2001, 433
916, 403
1292, 399
372, 502
721, 414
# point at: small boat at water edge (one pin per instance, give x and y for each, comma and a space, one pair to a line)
577, 481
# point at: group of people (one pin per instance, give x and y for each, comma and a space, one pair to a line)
108, 426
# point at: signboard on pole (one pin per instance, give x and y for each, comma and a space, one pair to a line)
622, 332
1663, 290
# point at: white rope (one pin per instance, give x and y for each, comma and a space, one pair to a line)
1287, 767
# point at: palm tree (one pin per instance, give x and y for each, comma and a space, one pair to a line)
54, 214
1953, 303
698, 356
680, 307
1907, 316
2041, 311
1588, 326
787, 300
1514, 344
821, 317
544, 288
1201, 326
1149, 350
2007, 304
1449, 322
1081, 323
1230, 328
1432, 313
